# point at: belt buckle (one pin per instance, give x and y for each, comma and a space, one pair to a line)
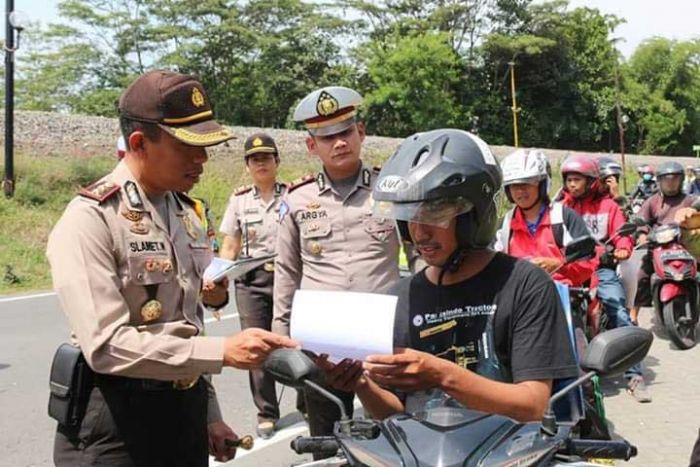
269, 267
185, 384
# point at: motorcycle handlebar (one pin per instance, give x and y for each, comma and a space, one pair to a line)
327, 445
598, 449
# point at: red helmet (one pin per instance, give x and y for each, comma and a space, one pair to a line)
584, 165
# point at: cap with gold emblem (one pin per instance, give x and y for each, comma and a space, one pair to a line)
260, 142
175, 102
328, 110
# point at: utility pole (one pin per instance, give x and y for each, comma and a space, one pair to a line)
13, 22
621, 126
8, 183
515, 106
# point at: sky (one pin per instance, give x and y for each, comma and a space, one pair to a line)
674, 19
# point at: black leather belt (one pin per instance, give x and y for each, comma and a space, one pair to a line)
145, 384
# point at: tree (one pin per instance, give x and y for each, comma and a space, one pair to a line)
662, 96
414, 80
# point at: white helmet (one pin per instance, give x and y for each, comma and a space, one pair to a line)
530, 167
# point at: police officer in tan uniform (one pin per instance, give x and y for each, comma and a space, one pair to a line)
250, 228
127, 258
328, 238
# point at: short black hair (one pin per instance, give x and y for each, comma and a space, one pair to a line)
128, 126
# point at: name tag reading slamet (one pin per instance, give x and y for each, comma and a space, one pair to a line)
151, 246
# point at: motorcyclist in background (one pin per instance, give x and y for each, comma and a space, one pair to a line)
535, 229
581, 180
694, 185
647, 185
660, 209
610, 172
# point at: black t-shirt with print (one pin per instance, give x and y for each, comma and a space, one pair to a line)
505, 323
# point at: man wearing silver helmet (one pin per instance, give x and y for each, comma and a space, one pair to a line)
475, 327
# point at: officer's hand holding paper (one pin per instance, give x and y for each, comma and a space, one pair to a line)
220, 267
342, 324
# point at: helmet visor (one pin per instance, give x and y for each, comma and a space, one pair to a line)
437, 212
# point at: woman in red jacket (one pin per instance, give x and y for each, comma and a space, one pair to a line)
534, 228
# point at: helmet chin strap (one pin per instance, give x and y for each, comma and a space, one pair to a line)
454, 261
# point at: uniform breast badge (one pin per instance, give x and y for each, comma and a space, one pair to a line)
151, 265
166, 266
315, 248
133, 216
139, 228
189, 227
151, 310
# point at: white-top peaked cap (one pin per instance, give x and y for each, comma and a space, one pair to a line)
328, 110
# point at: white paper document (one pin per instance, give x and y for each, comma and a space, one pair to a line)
220, 267
343, 324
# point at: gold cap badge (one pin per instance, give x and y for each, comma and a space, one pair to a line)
197, 98
327, 104
257, 142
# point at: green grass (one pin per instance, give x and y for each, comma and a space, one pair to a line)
45, 184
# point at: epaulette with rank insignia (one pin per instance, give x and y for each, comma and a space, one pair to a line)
376, 169
99, 191
241, 190
306, 179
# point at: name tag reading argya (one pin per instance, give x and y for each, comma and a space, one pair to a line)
145, 245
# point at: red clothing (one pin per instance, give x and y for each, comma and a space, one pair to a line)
524, 245
603, 217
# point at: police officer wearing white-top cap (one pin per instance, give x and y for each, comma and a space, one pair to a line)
328, 238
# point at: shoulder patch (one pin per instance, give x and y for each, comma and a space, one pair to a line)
305, 180
99, 191
241, 190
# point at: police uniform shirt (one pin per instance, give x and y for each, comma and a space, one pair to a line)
110, 258
326, 242
248, 215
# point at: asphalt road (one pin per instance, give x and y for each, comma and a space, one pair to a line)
31, 330
664, 430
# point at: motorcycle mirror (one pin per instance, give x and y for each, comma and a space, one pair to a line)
612, 352
290, 367
608, 354
579, 248
628, 228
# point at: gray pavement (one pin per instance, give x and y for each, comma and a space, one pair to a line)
664, 431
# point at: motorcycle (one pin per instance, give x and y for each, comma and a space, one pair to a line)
457, 436
674, 285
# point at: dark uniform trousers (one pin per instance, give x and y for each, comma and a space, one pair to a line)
130, 423
254, 300
323, 412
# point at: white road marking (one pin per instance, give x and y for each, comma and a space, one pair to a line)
26, 297
298, 429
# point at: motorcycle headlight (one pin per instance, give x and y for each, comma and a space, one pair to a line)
678, 276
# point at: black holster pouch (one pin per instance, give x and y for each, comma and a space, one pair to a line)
71, 382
